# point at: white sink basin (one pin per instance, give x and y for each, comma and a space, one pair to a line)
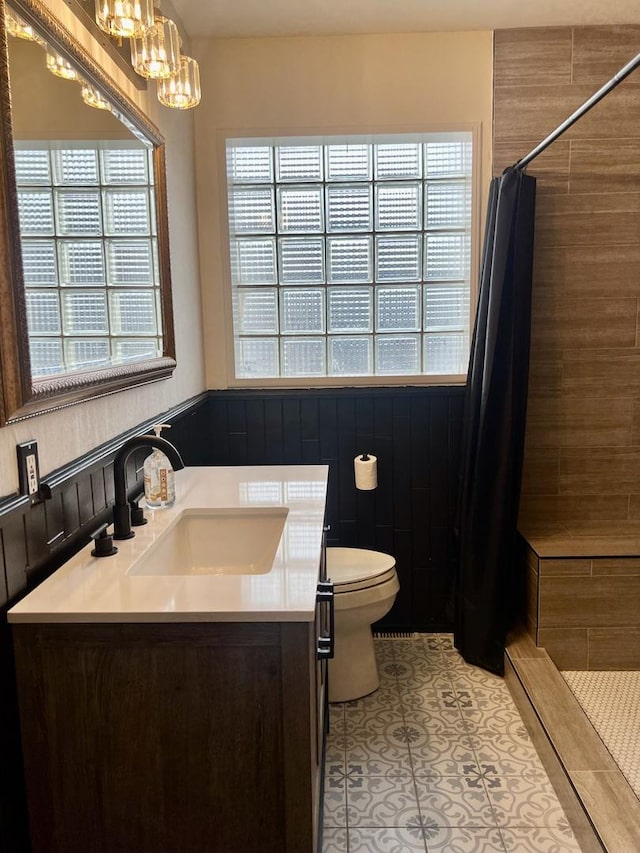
234, 541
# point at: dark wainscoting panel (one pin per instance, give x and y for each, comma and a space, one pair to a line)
414, 432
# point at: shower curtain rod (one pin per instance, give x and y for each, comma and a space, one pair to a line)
566, 124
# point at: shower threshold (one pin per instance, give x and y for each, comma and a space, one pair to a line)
601, 806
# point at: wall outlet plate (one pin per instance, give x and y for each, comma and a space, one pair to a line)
29, 469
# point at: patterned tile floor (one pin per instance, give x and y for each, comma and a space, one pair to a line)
437, 759
611, 700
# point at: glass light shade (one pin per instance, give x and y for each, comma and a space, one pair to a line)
93, 98
156, 52
59, 66
17, 28
124, 18
182, 91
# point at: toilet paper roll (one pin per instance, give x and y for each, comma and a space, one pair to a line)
366, 471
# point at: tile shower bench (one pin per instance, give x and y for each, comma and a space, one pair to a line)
583, 594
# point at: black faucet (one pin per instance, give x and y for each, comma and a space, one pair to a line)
121, 508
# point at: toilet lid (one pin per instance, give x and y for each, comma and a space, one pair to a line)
357, 566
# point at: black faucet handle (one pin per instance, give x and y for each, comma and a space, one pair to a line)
104, 543
122, 521
137, 513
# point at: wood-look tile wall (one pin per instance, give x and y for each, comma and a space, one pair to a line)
582, 460
585, 611
581, 479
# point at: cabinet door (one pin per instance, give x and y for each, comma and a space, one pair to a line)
160, 738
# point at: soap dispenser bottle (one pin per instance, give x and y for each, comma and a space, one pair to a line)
159, 482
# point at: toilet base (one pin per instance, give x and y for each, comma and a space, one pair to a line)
353, 672
366, 587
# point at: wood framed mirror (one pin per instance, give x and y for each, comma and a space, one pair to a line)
85, 290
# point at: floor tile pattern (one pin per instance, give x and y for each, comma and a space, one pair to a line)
611, 700
437, 759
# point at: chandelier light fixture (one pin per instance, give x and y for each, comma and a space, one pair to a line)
17, 28
160, 48
124, 18
155, 53
60, 66
93, 98
155, 49
182, 90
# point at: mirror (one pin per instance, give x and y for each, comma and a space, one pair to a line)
85, 296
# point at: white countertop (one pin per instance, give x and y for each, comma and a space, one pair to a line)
90, 589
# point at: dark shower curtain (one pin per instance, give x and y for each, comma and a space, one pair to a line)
487, 586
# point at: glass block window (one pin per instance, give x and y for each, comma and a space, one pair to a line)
350, 256
88, 235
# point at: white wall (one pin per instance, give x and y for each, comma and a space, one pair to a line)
422, 81
66, 434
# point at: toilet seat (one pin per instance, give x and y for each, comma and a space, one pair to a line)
352, 569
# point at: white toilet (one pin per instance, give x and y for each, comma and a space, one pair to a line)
365, 585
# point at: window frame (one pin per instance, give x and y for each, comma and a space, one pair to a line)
309, 136
58, 239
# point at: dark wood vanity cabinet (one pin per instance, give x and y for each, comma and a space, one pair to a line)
172, 738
